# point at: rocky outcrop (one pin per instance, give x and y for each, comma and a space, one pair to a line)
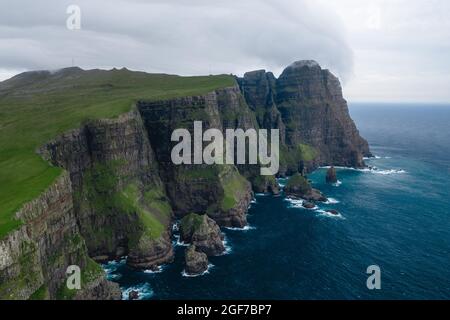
307, 105
333, 212
151, 253
331, 176
265, 184
203, 233
299, 187
195, 262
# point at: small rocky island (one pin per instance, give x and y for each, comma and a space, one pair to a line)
299, 187
331, 176
205, 239
196, 261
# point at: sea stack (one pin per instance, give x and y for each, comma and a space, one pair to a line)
203, 232
196, 262
299, 187
331, 175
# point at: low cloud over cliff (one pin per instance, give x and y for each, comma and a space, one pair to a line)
184, 37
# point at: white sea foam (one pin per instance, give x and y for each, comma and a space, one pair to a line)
324, 213
389, 172
159, 269
294, 203
246, 228
262, 194
298, 203
337, 184
111, 267
178, 242
113, 276
376, 158
227, 246
332, 201
373, 170
184, 274
144, 290
282, 182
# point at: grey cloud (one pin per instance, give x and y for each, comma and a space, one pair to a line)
183, 37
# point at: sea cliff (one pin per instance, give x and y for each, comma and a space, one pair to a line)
119, 193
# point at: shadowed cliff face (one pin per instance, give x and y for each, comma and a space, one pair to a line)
116, 186
306, 103
218, 190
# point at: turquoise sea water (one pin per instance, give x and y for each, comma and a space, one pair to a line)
396, 216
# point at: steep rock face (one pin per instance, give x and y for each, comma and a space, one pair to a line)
218, 190
259, 90
203, 232
152, 253
316, 125
331, 176
196, 262
34, 259
237, 113
117, 189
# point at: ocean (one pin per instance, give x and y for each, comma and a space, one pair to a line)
395, 215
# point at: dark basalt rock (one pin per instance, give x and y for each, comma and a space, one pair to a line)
151, 253
203, 232
133, 295
200, 188
299, 187
308, 205
333, 212
307, 105
265, 184
196, 262
331, 176
314, 195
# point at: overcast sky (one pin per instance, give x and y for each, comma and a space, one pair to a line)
383, 50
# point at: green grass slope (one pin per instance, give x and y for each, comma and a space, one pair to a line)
37, 106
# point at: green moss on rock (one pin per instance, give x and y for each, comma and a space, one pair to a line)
191, 223
299, 183
233, 186
40, 294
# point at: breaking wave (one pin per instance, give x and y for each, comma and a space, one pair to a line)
298, 203
331, 201
159, 269
184, 274
111, 268
178, 243
374, 170
227, 246
324, 213
144, 291
337, 184
246, 228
